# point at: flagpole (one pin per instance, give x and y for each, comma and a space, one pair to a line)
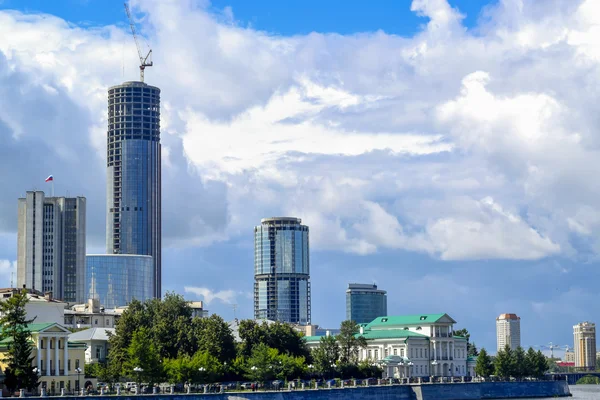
52, 186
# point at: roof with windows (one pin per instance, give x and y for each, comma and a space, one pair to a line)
391, 334
424, 319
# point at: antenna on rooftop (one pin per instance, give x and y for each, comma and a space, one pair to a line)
234, 306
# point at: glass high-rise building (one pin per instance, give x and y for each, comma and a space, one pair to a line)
282, 271
364, 303
116, 279
51, 245
133, 220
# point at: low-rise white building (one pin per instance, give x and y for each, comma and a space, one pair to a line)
96, 341
91, 315
413, 346
41, 307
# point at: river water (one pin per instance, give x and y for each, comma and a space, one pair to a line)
583, 392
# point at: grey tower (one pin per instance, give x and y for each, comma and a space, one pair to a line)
51, 245
282, 271
365, 302
133, 192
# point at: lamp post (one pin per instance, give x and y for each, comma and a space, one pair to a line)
202, 370
138, 371
410, 364
78, 370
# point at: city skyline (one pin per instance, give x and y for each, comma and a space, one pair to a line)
457, 182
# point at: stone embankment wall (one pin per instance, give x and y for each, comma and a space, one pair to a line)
450, 391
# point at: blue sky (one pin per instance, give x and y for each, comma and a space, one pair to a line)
450, 160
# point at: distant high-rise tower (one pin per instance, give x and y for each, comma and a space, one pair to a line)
282, 271
51, 245
508, 331
365, 302
133, 215
584, 335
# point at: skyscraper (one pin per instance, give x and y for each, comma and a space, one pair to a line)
282, 271
508, 331
133, 193
364, 303
51, 245
584, 335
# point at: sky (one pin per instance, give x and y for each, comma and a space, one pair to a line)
445, 150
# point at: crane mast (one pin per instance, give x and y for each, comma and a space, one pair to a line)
144, 61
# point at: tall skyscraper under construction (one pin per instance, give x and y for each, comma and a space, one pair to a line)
133, 219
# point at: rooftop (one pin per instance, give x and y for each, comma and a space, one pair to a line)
281, 219
419, 319
91, 334
508, 316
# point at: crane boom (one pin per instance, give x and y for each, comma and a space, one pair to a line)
143, 60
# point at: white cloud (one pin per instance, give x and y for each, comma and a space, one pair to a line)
7, 269
376, 141
208, 295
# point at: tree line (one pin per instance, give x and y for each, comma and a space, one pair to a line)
509, 363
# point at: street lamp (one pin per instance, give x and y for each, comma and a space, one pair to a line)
202, 370
78, 370
138, 370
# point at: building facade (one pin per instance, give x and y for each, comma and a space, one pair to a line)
114, 280
40, 307
133, 215
51, 245
412, 346
508, 331
96, 341
364, 303
282, 271
59, 363
91, 315
584, 335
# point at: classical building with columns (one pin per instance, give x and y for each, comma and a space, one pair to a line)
59, 363
413, 346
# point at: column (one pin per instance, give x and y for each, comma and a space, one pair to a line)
56, 360
48, 338
66, 357
39, 354
434, 351
448, 349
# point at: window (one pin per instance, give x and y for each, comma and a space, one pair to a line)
401, 352
77, 363
42, 343
370, 355
107, 322
96, 321
69, 365
98, 352
377, 354
386, 352
395, 352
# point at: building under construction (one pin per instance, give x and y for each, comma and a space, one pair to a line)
282, 271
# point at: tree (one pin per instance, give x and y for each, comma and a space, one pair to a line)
214, 336
531, 363
519, 363
19, 371
504, 362
286, 339
541, 364
251, 334
326, 355
484, 366
349, 341
260, 364
143, 354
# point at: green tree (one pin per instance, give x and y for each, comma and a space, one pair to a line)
588, 380
541, 364
286, 339
326, 355
504, 362
143, 354
484, 366
251, 334
519, 363
214, 336
19, 371
350, 342
531, 363
259, 366
290, 367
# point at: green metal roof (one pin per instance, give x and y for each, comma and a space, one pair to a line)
39, 327
460, 338
312, 338
404, 320
391, 334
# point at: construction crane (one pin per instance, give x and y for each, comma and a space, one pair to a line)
144, 61
550, 346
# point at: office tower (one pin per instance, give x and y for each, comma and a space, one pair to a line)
508, 331
51, 245
133, 219
282, 271
365, 302
584, 335
116, 279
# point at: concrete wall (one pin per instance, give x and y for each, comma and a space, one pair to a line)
456, 391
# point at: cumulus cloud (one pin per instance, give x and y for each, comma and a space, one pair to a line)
208, 295
7, 269
461, 144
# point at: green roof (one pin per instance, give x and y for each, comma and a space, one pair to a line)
460, 338
405, 320
391, 334
312, 338
39, 327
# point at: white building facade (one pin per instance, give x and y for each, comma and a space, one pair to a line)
584, 336
413, 346
508, 331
